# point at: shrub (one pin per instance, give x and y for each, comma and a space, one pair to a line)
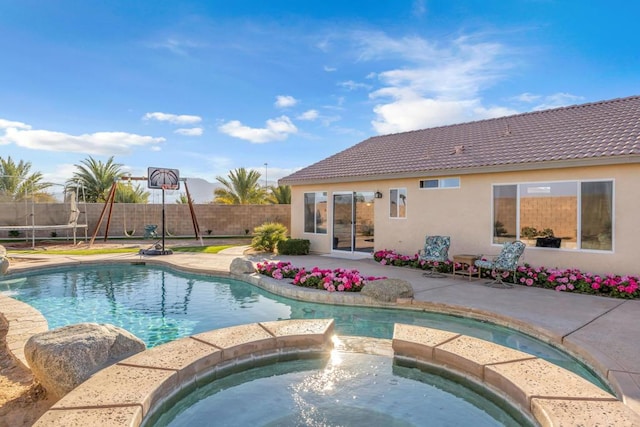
294, 247
528, 232
547, 232
268, 235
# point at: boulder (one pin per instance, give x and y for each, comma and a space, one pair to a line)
388, 290
241, 266
4, 265
63, 358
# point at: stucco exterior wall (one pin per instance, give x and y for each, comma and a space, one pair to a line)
465, 214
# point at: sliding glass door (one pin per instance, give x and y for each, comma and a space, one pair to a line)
353, 221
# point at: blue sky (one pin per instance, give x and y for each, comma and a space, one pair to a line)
209, 86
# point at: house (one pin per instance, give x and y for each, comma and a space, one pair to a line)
570, 173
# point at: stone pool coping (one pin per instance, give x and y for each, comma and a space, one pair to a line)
126, 393
623, 382
552, 395
23, 321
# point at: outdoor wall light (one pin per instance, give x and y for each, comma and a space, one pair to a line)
378, 195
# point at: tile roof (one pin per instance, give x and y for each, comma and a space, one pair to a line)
595, 133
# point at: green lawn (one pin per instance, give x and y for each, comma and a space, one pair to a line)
195, 249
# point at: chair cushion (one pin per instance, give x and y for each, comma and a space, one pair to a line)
436, 248
483, 263
509, 256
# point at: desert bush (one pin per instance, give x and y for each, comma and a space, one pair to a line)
268, 235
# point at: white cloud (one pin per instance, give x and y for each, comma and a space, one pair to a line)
330, 69
107, 143
420, 113
544, 102
351, 85
309, 115
284, 101
277, 129
181, 119
179, 47
59, 173
189, 131
558, 100
435, 84
418, 9
329, 120
526, 97
6, 124
324, 45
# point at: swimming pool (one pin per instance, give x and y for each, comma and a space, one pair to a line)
160, 305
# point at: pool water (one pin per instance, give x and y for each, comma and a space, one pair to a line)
159, 305
347, 390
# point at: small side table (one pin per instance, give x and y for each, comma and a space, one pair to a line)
464, 259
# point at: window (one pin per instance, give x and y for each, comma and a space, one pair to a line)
429, 183
569, 215
505, 208
596, 215
440, 183
398, 203
315, 212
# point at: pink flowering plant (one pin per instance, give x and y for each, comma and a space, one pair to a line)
338, 280
277, 270
573, 280
567, 280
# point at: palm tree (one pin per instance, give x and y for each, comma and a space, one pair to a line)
182, 199
280, 195
97, 178
16, 181
130, 194
240, 187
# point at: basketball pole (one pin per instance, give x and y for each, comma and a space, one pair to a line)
162, 178
163, 218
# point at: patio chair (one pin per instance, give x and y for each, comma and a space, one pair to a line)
506, 260
436, 249
150, 231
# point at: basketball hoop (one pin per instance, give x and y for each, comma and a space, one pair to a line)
170, 187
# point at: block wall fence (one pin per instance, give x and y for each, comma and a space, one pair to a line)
214, 220
558, 213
